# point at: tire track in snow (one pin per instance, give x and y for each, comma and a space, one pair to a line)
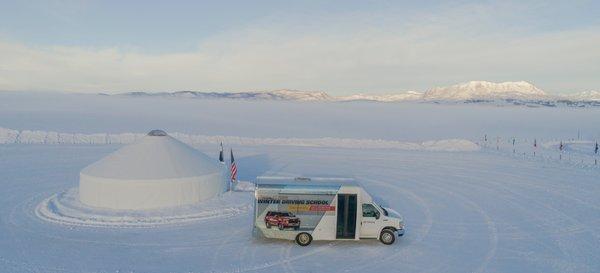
26, 207
549, 186
565, 245
424, 231
12, 221
282, 261
222, 243
491, 227
489, 222
524, 203
287, 266
493, 238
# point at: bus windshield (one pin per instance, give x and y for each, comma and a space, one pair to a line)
385, 212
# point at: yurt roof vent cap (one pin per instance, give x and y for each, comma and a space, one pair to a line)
157, 133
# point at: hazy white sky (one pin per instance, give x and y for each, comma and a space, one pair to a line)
341, 47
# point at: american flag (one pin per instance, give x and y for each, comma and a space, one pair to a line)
233, 168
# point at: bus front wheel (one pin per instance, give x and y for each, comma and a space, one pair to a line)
387, 237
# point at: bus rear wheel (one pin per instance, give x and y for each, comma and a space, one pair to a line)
303, 239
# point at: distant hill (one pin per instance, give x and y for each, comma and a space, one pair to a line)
284, 94
514, 93
406, 96
584, 96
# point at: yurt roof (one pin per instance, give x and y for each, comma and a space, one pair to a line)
155, 156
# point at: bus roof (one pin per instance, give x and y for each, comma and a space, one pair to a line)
306, 181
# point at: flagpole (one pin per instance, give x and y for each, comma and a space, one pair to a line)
221, 158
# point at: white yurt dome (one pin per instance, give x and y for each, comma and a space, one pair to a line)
155, 171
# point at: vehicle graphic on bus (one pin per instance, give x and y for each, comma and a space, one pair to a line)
282, 220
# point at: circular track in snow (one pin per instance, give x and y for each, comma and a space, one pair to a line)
66, 209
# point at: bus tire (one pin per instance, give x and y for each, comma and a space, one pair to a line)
303, 239
387, 237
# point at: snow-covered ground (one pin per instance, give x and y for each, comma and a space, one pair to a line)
478, 210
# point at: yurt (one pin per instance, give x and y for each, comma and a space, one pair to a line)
156, 171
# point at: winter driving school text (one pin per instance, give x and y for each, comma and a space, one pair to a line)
305, 209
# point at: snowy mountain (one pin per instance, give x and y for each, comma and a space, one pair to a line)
407, 96
283, 94
472, 90
486, 90
584, 96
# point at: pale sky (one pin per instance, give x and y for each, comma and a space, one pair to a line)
341, 47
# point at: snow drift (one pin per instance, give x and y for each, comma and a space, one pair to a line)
9, 136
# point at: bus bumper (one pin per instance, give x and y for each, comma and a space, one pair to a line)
400, 232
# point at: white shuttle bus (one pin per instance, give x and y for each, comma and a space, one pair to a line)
305, 209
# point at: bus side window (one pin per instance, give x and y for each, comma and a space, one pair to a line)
370, 211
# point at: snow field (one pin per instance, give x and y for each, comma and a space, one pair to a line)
464, 212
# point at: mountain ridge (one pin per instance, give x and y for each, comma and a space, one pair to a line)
468, 91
